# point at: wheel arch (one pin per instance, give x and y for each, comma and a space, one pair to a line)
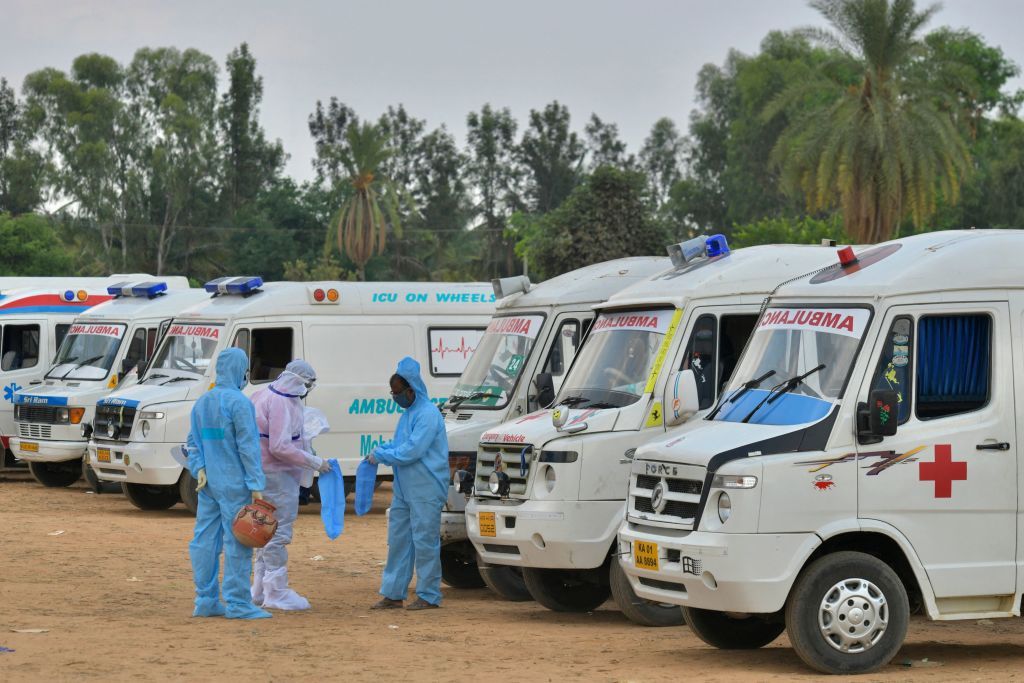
889, 545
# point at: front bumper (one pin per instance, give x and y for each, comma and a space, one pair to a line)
136, 463
573, 534
49, 451
750, 573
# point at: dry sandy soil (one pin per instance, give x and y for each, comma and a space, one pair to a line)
114, 593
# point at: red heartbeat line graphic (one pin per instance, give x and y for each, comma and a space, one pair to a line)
463, 348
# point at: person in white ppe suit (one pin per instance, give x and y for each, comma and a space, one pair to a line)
279, 418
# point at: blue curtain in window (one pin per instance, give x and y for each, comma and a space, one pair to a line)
954, 358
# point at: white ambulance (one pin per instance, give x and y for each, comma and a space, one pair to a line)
550, 487
353, 334
101, 351
861, 466
32, 324
518, 368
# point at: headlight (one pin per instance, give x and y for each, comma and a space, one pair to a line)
86, 430
493, 483
499, 483
549, 478
724, 507
144, 426
111, 429
63, 415
734, 481
151, 415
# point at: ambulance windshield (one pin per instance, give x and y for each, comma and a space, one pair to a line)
188, 348
494, 368
795, 366
88, 351
614, 365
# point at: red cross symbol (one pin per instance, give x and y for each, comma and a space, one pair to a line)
943, 471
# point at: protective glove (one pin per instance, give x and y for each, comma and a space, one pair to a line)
257, 495
373, 460
325, 466
201, 480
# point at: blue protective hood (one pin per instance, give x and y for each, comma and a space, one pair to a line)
409, 370
232, 364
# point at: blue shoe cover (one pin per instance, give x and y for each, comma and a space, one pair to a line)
247, 612
206, 608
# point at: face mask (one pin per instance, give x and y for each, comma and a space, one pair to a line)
403, 400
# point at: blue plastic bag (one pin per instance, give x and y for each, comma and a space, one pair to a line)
332, 500
366, 478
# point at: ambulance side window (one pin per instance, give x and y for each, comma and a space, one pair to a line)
271, 352
136, 349
150, 342
59, 332
242, 341
734, 331
954, 364
895, 365
700, 357
563, 349
20, 347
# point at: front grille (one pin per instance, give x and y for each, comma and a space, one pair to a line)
40, 414
34, 431
512, 459
122, 417
681, 496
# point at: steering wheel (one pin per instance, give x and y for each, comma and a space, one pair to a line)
617, 375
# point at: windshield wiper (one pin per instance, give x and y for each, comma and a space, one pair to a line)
67, 362
83, 363
149, 377
178, 379
454, 403
573, 400
781, 388
744, 388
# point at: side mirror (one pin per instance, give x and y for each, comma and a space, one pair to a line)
545, 389
126, 366
878, 417
681, 397
883, 412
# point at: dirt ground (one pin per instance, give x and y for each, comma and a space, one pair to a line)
113, 591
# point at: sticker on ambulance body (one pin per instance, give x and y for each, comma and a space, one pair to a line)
205, 331
98, 329
520, 326
850, 322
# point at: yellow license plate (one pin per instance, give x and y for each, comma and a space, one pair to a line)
488, 527
103, 454
29, 447
645, 555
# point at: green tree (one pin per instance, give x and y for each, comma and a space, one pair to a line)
494, 174
552, 156
22, 169
661, 158
251, 163
361, 227
327, 126
605, 147
803, 230
30, 246
885, 148
606, 217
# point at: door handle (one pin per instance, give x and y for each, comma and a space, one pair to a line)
1001, 446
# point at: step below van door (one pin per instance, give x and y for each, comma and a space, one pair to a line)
947, 479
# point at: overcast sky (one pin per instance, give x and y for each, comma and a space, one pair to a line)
629, 61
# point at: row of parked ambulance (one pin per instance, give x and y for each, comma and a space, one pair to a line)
775, 438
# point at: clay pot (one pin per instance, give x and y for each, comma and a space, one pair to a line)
254, 524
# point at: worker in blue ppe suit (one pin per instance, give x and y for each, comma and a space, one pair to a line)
224, 457
418, 456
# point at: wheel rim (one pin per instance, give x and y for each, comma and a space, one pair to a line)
853, 615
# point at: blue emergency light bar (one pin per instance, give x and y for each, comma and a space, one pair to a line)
717, 246
245, 285
150, 290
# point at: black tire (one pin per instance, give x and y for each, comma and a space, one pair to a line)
863, 591
187, 491
506, 582
636, 609
56, 474
726, 632
350, 486
147, 497
94, 483
458, 566
568, 590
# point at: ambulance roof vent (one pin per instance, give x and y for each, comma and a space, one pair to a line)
245, 285
507, 286
150, 290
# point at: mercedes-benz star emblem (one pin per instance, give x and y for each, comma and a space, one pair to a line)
658, 497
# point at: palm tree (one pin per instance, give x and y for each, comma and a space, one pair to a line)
881, 146
361, 226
